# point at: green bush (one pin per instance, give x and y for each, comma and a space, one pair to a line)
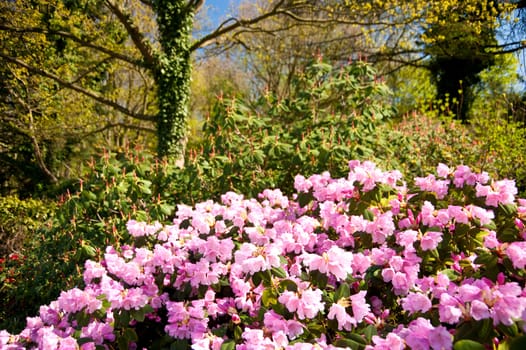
503, 148
495, 146
331, 116
19, 218
91, 214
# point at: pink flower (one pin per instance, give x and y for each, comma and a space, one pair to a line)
499, 192
440, 338
382, 227
443, 170
491, 241
456, 212
430, 240
306, 306
449, 309
75, 300
431, 184
406, 238
139, 229
516, 251
335, 261
391, 342
98, 332
92, 270
276, 323
479, 310
416, 302
301, 184
345, 321
360, 308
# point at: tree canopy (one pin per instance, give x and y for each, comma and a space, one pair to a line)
78, 73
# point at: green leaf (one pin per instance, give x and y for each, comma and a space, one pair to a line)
82, 341
368, 215
278, 272
354, 341
319, 279
509, 210
123, 343
166, 209
467, 344
140, 314
179, 344
343, 291
268, 298
451, 274
238, 332
122, 318
487, 259
88, 251
369, 332
82, 319
518, 343
511, 330
228, 345
130, 335
288, 285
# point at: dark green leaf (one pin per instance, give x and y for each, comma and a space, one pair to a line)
288, 285
343, 291
518, 343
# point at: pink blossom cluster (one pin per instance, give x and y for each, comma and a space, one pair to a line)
365, 257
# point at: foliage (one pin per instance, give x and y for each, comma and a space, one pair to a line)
19, 219
331, 116
360, 262
48, 127
460, 46
503, 148
422, 140
91, 214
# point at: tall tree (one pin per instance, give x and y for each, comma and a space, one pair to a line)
454, 40
114, 31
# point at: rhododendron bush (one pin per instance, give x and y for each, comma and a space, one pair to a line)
362, 262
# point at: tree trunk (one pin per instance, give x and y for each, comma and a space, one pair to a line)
175, 20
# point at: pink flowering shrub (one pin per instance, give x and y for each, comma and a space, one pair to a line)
362, 262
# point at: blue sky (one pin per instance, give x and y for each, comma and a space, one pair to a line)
219, 8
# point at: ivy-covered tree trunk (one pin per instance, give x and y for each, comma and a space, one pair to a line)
172, 75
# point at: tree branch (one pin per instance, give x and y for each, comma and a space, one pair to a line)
137, 37
76, 39
224, 28
77, 88
31, 134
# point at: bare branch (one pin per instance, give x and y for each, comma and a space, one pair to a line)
31, 134
137, 37
77, 88
237, 23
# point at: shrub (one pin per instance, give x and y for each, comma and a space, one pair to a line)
495, 146
90, 215
360, 262
332, 117
19, 218
421, 141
